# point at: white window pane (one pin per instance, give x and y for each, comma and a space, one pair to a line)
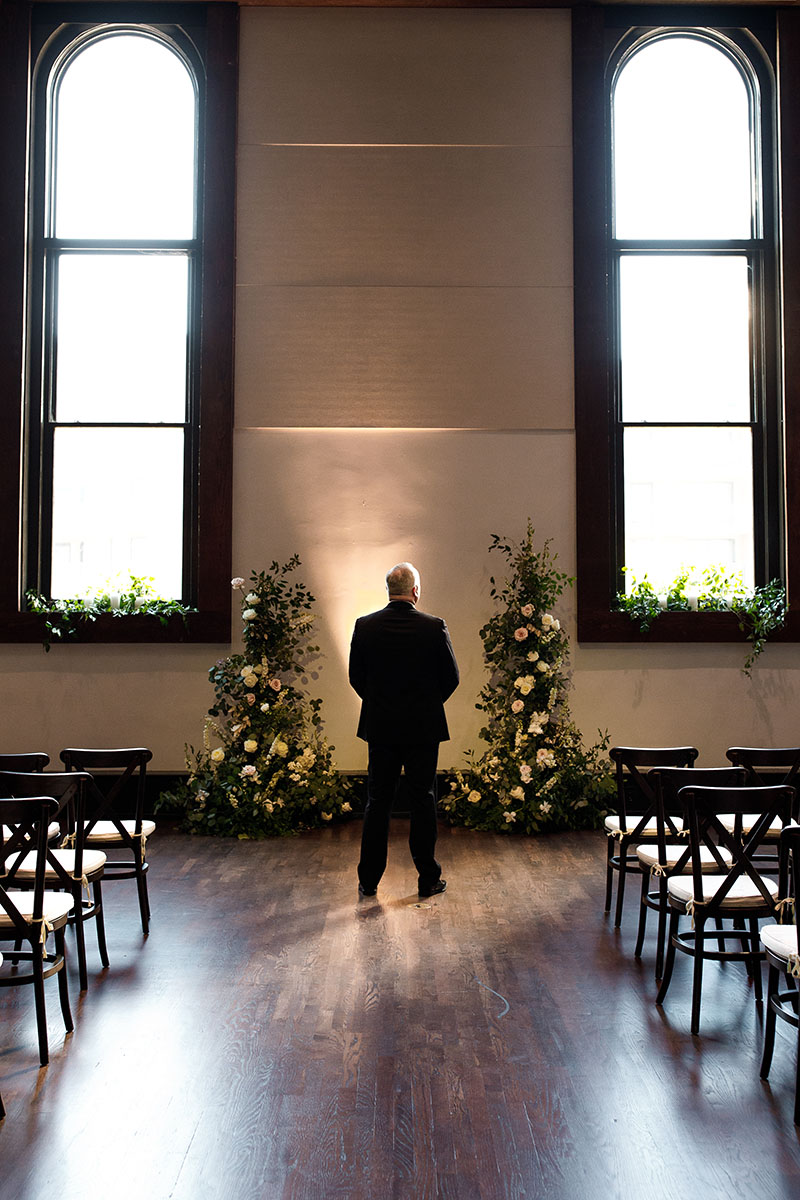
125, 142
682, 148
685, 338
122, 337
117, 507
688, 501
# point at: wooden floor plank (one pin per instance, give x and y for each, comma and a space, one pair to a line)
276, 1038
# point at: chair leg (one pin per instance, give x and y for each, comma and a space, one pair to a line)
623, 870
609, 872
697, 975
101, 923
754, 962
670, 960
144, 902
797, 1083
642, 915
773, 980
662, 925
37, 966
80, 938
63, 982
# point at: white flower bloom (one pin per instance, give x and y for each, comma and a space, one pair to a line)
542, 666
474, 797
280, 748
217, 755
545, 758
251, 745
249, 614
251, 598
265, 708
546, 806
250, 681
517, 793
238, 582
525, 773
527, 610
547, 620
247, 771
533, 655
510, 816
346, 806
245, 671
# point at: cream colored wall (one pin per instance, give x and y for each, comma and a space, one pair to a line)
403, 378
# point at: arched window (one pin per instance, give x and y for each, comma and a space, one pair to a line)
686, 410
116, 309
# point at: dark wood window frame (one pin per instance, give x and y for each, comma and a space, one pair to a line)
596, 30
213, 28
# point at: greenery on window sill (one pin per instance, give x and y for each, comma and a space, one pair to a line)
759, 612
65, 617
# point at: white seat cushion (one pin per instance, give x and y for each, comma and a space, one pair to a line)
612, 825
93, 863
56, 905
648, 857
52, 831
743, 894
748, 821
106, 831
780, 939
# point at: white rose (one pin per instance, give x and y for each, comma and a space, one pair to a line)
251, 598
474, 797
542, 666
217, 755
237, 582
250, 681
265, 708
533, 655
249, 614
547, 620
251, 745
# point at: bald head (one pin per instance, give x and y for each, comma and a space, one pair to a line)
402, 582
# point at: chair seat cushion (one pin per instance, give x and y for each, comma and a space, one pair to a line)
648, 857
743, 894
612, 825
53, 831
93, 863
748, 821
106, 831
57, 905
780, 939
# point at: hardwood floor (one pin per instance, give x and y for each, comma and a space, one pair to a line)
275, 1038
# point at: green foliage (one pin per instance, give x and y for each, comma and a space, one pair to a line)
760, 612
535, 775
271, 772
64, 617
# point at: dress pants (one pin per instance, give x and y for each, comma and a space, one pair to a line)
385, 764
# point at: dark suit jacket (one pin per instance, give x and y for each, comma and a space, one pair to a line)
403, 667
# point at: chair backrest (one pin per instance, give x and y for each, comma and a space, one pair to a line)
790, 865
668, 782
125, 793
36, 761
703, 807
24, 824
69, 791
782, 764
636, 796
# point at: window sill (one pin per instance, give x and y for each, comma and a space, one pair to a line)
675, 627
138, 629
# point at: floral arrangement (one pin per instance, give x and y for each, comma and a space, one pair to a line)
535, 775
117, 597
264, 767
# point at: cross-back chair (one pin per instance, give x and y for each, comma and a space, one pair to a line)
30, 915
115, 820
35, 761
670, 852
635, 818
74, 866
781, 949
736, 892
765, 766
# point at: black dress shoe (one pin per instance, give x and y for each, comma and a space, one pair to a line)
435, 889
362, 891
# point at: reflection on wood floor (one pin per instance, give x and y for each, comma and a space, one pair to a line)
276, 1038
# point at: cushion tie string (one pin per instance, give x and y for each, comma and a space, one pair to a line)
68, 841
84, 882
782, 905
793, 966
47, 928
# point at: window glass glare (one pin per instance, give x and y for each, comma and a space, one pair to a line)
684, 336
122, 337
125, 142
117, 508
682, 147
688, 502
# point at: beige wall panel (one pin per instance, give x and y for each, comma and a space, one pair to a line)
405, 216
153, 696
404, 76
414, 357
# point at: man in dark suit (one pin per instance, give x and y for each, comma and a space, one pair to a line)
403, 667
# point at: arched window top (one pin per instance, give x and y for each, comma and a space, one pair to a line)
123, 115
683, 150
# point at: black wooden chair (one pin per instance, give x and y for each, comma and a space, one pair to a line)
115, 820
781, 949
767, 766
74, 866
36, 761
736, 893
635, 818
32, 914
670, 852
